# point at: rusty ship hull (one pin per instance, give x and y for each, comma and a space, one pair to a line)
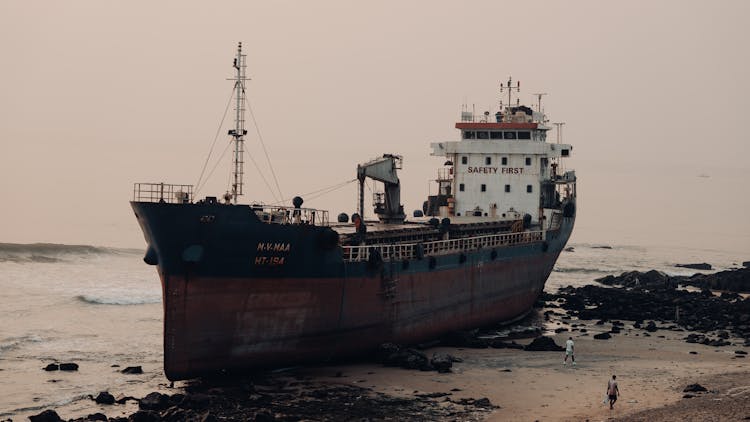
239, 293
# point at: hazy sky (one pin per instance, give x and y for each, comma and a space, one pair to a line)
97, 95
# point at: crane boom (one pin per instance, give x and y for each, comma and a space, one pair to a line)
383, 169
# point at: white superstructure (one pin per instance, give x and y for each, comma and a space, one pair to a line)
501, 169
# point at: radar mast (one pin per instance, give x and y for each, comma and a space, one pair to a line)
239, 131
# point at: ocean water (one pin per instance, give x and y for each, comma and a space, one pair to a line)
100, 307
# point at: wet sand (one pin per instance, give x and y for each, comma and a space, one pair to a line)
652, 372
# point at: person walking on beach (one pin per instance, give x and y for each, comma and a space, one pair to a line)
569, 352
612, 391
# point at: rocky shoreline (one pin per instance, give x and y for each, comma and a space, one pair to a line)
648, 301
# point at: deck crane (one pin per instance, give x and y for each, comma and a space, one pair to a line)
387, 204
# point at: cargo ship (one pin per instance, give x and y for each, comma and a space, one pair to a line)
253, 285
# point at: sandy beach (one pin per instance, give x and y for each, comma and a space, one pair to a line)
528, 386
652, 370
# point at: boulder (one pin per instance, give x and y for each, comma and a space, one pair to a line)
97, 417
144, 416
483, 402
694, 388
132, 370
46, 416
105, 398
264, 416
603, 336
441, 362
68, 366
701, 266
543, 344
154, 401
52, 367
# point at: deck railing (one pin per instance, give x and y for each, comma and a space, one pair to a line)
404, 251
162, 192
286, 215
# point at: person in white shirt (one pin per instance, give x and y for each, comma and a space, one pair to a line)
569, 352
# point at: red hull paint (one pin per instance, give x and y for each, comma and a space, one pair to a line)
215, 323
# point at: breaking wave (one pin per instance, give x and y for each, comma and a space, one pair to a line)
13, 342
104, 300
52, 252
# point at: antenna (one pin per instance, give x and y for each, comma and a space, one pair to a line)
510, 87
239, 131
559, 130
539, 101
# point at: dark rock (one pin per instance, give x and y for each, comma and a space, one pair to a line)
46, 416
483, 402
196, 401
746, 264
68, 366
132, 370
174, 414
740, 352
693, 353
52, 367
207, 417
264, 416
441, 362
560, 330
603, 336
105, 398
96, 417
154, 401
543, 344
694, 388
144, 416
651, 326
124, 400
688, 396
391, 354
500, 344
701, 266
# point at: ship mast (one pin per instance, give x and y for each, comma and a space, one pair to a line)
239, 131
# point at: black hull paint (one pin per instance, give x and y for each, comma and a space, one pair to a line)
240, 293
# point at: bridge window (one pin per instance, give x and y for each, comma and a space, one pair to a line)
528, 161
505, 161
464, 160
469, 134
483, 135
509, 135
524, 135
507, 188
487, 161
484, 188
496, 135
528, 188
461, 187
